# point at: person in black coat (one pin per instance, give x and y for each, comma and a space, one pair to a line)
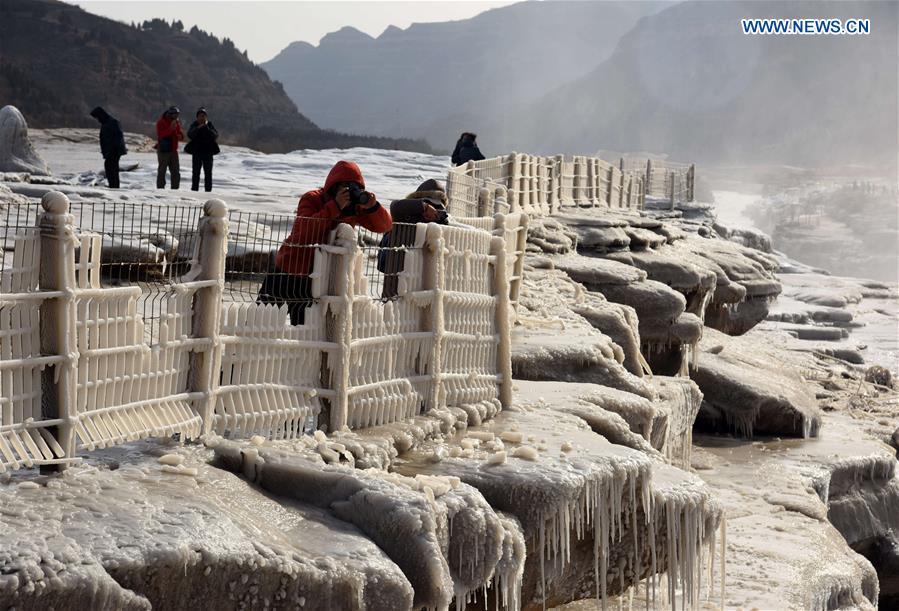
426, 205
202, 146
466, 149
112, 144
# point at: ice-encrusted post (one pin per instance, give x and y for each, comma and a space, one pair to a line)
501, 199
621, 200
671, 188
205, 364
342, 308
592, 181
648, 182
502, 319
514, 186
611, 186
555, 184
58, 321
644, 185
691, 177
485, 202
433, 282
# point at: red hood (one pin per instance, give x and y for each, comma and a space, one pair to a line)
344, 171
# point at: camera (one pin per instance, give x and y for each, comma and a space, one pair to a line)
358, 195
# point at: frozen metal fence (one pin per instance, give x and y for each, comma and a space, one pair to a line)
668, 181
541, 186
150, 321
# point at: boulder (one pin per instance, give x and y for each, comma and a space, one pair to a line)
17, 153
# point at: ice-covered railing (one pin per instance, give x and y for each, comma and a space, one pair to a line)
542, 185
76, 368
81, 366
664, 180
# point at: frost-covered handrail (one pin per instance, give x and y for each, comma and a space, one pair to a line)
542, 185
79, 370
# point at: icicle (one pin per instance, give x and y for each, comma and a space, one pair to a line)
723, 550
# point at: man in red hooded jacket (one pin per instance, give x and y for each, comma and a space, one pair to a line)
343, 199
168, 135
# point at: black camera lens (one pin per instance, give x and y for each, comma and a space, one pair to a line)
358, 195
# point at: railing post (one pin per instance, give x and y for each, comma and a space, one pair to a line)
611, 185
621, 188
345, 289
434, 281
485, 202
58, 321
212, 249
671, 188
514, 186
502, 320
647, 185
691, 178
643, 188
501, 199
556, 201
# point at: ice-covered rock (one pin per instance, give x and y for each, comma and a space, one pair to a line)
141, 538
17, 153
748, 389
443, 535
597, 517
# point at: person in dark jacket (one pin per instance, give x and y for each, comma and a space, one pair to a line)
428, 204
466, 149
168, 135
112, 144
202, 146
320, 211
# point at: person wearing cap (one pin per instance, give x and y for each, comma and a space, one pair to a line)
202, 146
112, 144
168, 135
343, 199
428, 204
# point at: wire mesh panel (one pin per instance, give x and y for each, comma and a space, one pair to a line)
470, 338
24, 440
146, 246
274, 324
127, 389
462, 193
270, 372
391, 374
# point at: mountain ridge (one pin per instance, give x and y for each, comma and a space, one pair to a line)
58, 61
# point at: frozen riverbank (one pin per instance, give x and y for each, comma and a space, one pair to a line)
591, 484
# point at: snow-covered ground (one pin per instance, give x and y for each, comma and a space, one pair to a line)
243, 178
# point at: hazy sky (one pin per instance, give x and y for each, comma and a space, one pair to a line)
264, 28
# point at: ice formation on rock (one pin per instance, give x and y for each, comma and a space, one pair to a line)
17, 153
139, 538
749, 390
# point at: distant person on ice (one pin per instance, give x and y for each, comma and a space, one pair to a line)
466, 149
202, 146
168, 135
343, 199
112, 144
426, 205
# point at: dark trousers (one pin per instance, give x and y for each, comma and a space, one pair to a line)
281, 288
206, 162
168, 161
111, 165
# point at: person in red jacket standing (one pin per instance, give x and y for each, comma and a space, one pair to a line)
343, 199
168, 135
